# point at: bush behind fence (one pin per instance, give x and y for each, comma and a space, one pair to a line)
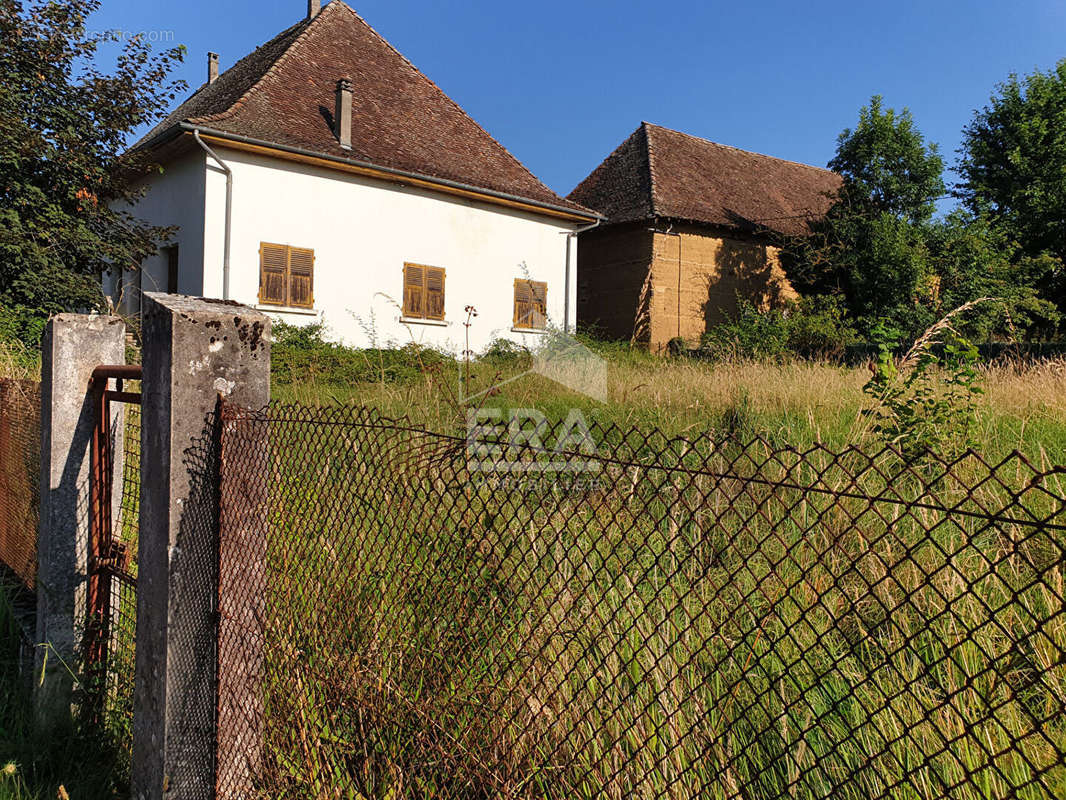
694, 618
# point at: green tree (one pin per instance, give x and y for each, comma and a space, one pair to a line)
1013, 169
887, 166
871, 245
974, 259
64, 184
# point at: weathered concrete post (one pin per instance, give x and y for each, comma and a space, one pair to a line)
73, 345
194, 350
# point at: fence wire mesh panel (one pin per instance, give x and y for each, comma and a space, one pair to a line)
110, 633
642, 618
20, 474
122, 628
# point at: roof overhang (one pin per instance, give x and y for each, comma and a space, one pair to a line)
178, 139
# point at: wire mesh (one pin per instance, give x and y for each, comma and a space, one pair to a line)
121, 644
110, 636
20, 447
435, 617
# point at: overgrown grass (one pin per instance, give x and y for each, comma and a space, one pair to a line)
677, 634
17, 362
34, 765
800, 402
714, 620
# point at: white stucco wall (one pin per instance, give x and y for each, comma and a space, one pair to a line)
362, 232
174, 197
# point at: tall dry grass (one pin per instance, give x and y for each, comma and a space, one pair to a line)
715, 620
1023, 408
17, 362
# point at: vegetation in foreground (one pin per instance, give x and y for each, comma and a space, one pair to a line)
672, 633
675, 632
788, 400
75, 763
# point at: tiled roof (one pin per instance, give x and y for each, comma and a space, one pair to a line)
658, 172
283, 94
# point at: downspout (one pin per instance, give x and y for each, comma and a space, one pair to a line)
229, 210
566, 290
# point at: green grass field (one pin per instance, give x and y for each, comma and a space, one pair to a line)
461, 677
1024, 407
672, 633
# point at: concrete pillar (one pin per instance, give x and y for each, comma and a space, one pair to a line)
72, 347
194, 350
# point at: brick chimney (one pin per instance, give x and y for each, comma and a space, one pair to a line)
313, 7
212, 67
342, 114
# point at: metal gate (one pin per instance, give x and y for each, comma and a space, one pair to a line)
111, 595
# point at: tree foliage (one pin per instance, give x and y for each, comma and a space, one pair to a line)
871, 245
1013, 169
887, 166
64, 185
881, 249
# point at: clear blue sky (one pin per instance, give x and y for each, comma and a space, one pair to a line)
560, 84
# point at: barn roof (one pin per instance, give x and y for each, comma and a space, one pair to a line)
283, 94
662, 173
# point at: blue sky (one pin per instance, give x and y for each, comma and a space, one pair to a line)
561, 84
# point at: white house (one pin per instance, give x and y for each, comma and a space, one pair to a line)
324, 178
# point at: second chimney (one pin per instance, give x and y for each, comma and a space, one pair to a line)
212, 67
313, 7
342, 114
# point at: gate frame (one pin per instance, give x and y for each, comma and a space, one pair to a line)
108, 557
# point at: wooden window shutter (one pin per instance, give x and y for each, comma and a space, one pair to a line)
273, 274
523, 303
434, 293
539, 290
301, 277
530, 304
414, 284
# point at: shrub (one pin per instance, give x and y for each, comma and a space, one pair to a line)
813, 327
21, 324
752, 334
927, 403
504, 352
302, 354
818, 327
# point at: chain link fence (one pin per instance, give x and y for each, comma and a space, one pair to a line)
623, 615
120, 648
20, 475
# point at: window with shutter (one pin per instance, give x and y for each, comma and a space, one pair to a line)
530, 304
434, 293
286, 275
423, 292
301, 277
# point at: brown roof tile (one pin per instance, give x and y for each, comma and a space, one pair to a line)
658, 172
283, 93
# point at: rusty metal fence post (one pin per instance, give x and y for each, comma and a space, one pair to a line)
194, 352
